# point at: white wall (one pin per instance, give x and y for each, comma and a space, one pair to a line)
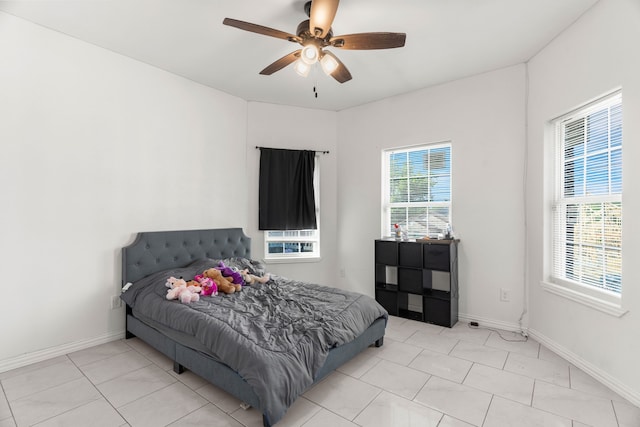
483, 117
95, 147
278, 126
597, 54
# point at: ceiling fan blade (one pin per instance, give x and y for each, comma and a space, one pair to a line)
281, 63
341, 73
259, 29
321, 16
366, 41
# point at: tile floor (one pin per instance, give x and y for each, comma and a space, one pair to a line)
424, 375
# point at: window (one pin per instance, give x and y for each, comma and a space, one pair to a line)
587, 212
296, 244
417, 190
292, 244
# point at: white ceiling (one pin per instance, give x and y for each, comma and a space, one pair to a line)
446, 40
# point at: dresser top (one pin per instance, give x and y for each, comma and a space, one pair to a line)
430, 241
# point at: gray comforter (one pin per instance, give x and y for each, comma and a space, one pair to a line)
276, 335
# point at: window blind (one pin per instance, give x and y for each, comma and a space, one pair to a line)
588, 208
418, 190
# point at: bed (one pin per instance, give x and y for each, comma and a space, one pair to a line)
264, 345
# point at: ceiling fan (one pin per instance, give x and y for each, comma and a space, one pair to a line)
315, 34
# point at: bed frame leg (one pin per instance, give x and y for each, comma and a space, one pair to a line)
178, 368
379, 342
128, 335
265, 421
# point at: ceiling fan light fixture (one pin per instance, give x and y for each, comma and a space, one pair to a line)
315, 34
329, 63
302, 68
310, 54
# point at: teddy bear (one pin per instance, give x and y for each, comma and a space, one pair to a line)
231, 274
250, 279
179, 289
224, 285
209, 287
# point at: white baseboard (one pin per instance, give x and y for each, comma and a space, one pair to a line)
614, 384
49, 353
489, 323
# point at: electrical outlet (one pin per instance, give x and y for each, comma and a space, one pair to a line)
505, 295
116, 302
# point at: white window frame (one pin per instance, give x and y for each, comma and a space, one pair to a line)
588, 294
297, 236
386, 190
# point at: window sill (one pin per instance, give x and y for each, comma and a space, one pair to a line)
290, 260
599, 304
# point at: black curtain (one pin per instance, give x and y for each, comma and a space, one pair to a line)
287, 199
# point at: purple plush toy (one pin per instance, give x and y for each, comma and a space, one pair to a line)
231, 274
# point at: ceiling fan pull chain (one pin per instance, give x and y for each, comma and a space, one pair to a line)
315, 83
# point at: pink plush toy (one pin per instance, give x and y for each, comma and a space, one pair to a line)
209, 287
180, 290
173, 282
185, 294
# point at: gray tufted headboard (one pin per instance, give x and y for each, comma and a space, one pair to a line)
160, 250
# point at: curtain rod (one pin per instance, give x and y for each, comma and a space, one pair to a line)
317, 151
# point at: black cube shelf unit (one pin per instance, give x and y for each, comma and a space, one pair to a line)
418, 279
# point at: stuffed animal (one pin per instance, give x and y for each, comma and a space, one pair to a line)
209, 287
186, 294
222, 282
251, 279
231, 274
172, 282
180, 289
